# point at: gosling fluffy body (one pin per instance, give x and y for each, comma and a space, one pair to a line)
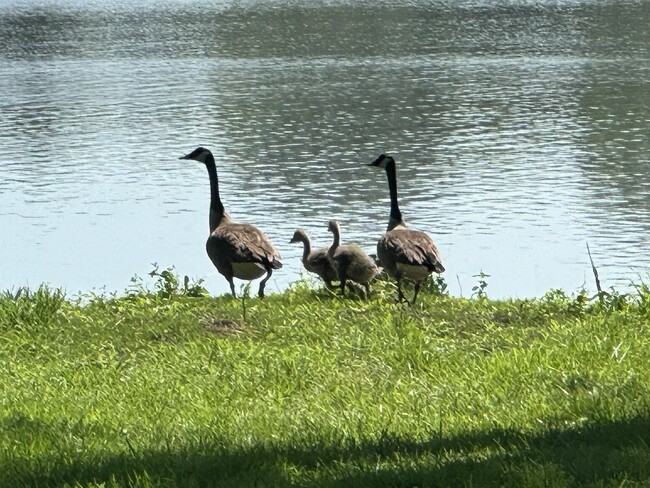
350, 261
315, 261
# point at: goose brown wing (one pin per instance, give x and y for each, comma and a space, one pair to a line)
243, 243
414, 248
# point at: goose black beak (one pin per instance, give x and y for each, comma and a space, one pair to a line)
378, 161
184, 157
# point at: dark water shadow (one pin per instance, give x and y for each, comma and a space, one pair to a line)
603, 454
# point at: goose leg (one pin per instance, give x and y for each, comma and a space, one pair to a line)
263, 282
416, 287
400, 295
342, 286
232, 287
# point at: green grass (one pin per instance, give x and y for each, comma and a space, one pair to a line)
162, 388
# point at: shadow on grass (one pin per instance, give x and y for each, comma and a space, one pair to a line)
600, 454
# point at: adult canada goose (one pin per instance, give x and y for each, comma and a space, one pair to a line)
350, 262
404, 253
315, 261
237, 250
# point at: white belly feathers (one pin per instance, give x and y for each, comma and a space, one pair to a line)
413, 272
248, 271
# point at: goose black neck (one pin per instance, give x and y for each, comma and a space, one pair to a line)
216, 207
391, 173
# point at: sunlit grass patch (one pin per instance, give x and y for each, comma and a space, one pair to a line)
170, 387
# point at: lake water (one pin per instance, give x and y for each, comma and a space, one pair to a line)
521, 132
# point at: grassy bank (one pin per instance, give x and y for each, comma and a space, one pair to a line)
161, 388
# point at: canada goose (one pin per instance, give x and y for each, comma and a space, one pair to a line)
237, 250
404, 253
350, 262
315, 261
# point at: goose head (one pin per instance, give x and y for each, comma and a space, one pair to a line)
383, 161
200, 154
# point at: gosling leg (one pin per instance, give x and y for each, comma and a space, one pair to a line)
342, 287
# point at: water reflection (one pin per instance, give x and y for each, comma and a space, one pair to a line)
521, 132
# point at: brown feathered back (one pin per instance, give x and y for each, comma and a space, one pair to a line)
241, 243
409, 247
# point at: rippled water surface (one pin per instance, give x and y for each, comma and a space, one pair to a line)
521, 131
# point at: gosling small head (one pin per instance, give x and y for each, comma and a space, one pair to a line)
298, 236
382, 161
333, 226
200, 154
